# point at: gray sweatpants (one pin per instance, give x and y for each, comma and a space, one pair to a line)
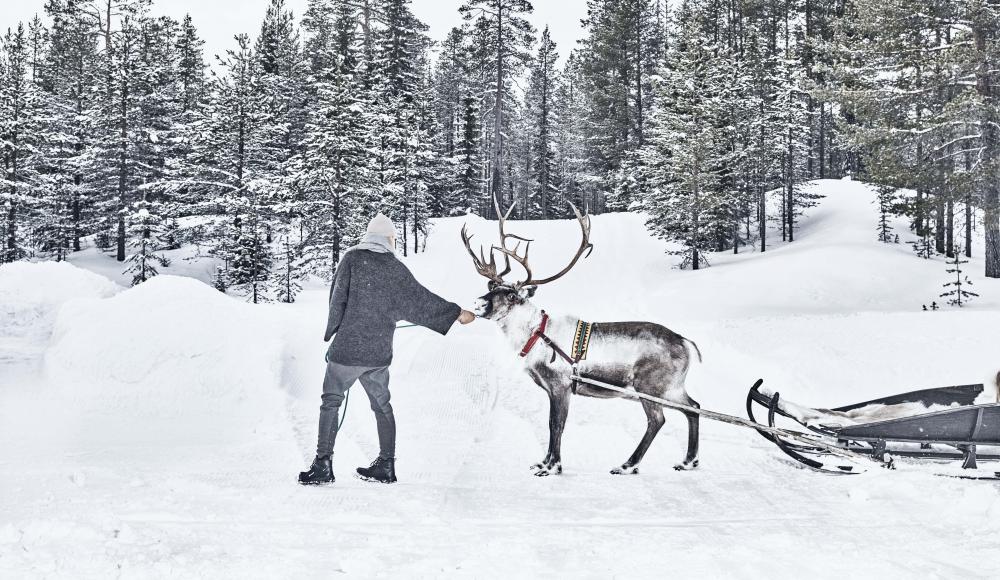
375, 381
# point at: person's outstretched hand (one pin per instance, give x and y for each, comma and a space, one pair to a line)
466, 317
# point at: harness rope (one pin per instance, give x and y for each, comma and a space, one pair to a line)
347, 394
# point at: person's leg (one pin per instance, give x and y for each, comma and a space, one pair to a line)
376, 385
338, 380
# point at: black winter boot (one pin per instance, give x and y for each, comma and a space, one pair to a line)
319, 473
382, 470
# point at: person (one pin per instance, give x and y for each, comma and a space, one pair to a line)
372, 290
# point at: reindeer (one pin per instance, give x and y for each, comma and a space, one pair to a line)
643, 356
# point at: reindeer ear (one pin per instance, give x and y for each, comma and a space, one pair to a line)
527, 292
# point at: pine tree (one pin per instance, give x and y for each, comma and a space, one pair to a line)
22, 131
468, 191
926, 112
236, 174
578, 183
502, 39
286, 282
955, 291
886, 205
145, 226
685, 155
451, 85
69, 76
332, 169
618, 63
540, 101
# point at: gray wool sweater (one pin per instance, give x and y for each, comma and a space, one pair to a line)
371, 292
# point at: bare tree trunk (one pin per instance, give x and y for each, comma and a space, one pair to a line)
497, 179
122, 169
990, 136
822, 140
77, 177
939, 224
949, 243
761, 188
968, 225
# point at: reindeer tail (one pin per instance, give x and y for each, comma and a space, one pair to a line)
698, 350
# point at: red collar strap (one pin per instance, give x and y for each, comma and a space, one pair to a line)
538, 333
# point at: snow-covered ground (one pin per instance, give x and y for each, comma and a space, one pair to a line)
156, 432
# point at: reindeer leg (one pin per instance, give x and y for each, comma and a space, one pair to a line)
691, 459
558, 411
654, 422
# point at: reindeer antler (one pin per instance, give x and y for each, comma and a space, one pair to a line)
585, 246
489, 269
485, 269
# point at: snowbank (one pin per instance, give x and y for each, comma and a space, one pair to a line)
169, 353
31, 295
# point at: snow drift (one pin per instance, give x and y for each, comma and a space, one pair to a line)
169, 358
32, 293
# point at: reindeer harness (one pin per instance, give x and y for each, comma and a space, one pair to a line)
581, 341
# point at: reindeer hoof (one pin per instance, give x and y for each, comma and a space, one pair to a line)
686, 466
546, 470
626, 470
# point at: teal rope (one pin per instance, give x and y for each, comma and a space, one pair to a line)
347, 395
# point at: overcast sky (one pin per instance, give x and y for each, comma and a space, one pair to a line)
219, 20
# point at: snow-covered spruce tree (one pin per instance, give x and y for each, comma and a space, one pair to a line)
144, 228
22, 133
886, 200
251, 255
331, 170
923, 246
160, 144
69, 77
190, 66
616, 62
111, 154
955, 291
428, 172
468, 189
503, 37
233, 162
183, 164
402, 147
792, 97
451, 85
116, 154
281, 118
928, 107
541, 112
734, 213
685, 152
219, 281
286, 275
579, 184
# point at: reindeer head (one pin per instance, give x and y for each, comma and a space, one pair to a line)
503, 297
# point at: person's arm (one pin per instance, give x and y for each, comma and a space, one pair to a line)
338, 298
420, 306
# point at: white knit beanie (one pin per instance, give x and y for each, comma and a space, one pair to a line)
381, 226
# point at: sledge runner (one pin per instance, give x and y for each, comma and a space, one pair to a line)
371, 292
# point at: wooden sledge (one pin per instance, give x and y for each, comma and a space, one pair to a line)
952, 428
